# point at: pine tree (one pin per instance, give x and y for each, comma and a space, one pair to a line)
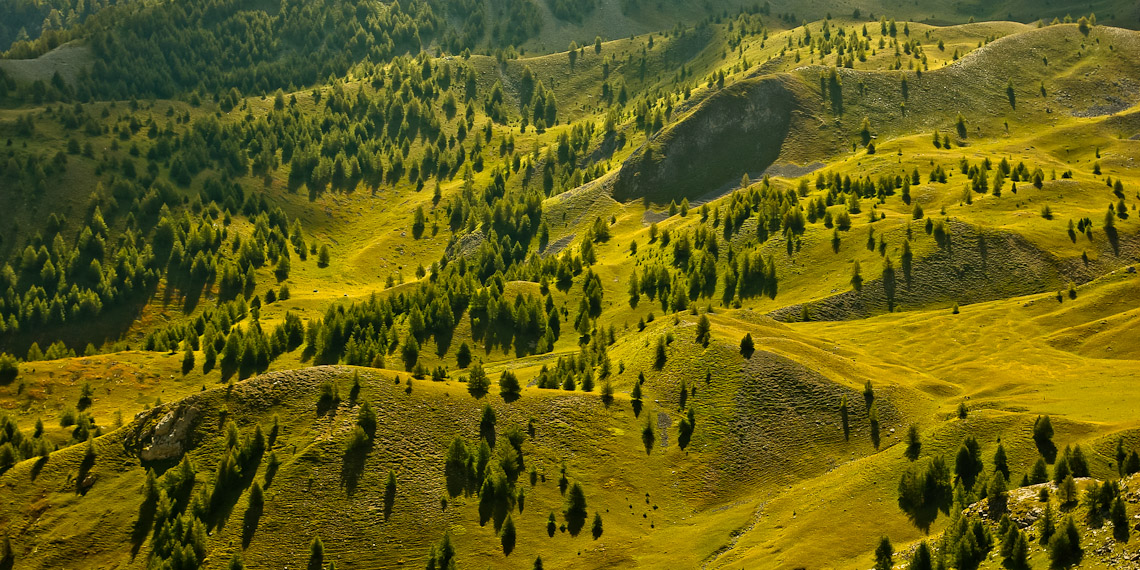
1048, 526
997, 495
921, 559
507, 535
509, 387
1119, 516
884, 554
187, 360
660, 355
703, 331
463, 355
648, 435
1000, 462
575, 511
487, 423
913, 443
746, 345
874, 417
635, 398
316, 554
597, 528
1040, 473
323, 257
1043, 430
1067, 490
1065, 545
477, 381
366, 419
389, 493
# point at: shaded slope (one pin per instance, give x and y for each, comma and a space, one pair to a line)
742, 127
975, 265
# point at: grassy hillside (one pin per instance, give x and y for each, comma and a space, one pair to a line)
748, 275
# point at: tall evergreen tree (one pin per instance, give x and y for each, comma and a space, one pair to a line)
884, 554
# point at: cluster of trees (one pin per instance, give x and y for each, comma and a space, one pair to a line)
178, 539
54, 282
364, 332
9, 368
489, 469
62, 276
177, 517
696, 254
241, 457
16, 446
227, 345
210, 46
572, 10
1127, 463
585, 370
537, 105
967, 542
925, 489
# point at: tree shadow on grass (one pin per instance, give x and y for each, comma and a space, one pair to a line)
1047, 450
249, 524
923, 517
352, 467
389, 501
142, 526
1113, 239
38, 466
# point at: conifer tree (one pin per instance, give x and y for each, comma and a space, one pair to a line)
913, 443
648, 435
575, 511
507, 535
884, 554
509, 387
477, 381
746, 345
316, 554
703, 331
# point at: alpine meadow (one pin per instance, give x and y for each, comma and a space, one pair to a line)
569, 284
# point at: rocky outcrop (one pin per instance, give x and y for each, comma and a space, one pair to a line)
739, 129
168, 438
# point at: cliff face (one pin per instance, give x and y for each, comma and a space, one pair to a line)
740, 129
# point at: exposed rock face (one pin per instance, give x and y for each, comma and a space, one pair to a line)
168, 438
741, 128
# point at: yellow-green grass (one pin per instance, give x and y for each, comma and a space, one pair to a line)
1016, 354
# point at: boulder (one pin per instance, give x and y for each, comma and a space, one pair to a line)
167, 439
